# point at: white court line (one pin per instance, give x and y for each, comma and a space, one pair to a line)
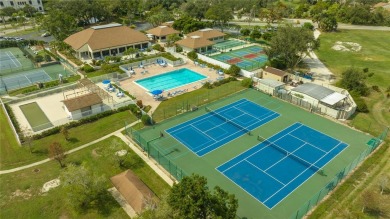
211, 115
288, 156
20, 64
28, 79
264, 172
203, 133
306, 179
307, 142
227, 137
253, 152
12, 60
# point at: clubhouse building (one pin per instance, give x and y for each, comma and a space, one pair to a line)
106, 40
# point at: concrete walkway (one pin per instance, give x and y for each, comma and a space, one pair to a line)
68, 152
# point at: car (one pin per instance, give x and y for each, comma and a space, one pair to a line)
45, 34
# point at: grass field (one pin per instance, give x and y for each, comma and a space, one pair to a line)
249, 207
375, 55
12, 155
21, 196
35, 116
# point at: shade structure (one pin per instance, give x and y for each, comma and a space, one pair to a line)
157, 92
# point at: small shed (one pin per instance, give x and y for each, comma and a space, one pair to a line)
275, 74
269, 86
132, 189
83, 105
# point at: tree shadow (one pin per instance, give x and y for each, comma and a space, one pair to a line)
73, 140
40, 151
105, 203
132, 164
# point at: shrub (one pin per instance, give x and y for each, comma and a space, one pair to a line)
179, 48
376, 88
192, 55
139, 103
247, 82
245, 31
146, 119
47, 58
207, 85
87, 68
361, 105
234, 70
158, 47
308, 26
38, 58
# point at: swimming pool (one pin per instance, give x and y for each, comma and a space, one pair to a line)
170, 80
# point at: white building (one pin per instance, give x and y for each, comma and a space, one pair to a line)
19, 4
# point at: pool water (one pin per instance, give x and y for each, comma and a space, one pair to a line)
170, 80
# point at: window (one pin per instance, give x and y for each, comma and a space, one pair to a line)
1, 4
40, 8
12, 3
30, 2
39, 1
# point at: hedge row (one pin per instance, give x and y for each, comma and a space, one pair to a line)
132, 107
14, 120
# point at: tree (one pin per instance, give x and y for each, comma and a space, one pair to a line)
28, 137
192, 55
57, 153
220, 14
158, 15
234, 70
196, 8
84, 189
255, 34
245, 31
131, 51
171, 39
59, 23
291, 45
65, 132
191, 198
112, 152
353, 79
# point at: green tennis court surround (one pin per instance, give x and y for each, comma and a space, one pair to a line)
35, 116
179, 160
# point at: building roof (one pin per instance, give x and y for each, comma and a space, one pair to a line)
168, 23
105, 36
275, 71
334, 98
162, 31
194, 42
83, 101
271, 83
207, 33
132, 189
316, 91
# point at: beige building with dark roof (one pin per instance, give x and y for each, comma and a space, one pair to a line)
196, 43
106, 40
84, 105
161, 33
276, 74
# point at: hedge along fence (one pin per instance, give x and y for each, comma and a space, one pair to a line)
20, 135
12, 120
166, 57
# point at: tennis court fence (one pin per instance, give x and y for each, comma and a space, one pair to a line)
190, 104
172, 168
316, 199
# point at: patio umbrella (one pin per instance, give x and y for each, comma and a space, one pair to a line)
106, 82
157, 92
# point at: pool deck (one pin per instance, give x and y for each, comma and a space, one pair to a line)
147, 99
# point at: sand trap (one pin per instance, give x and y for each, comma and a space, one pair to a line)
346, 46
50, 185
121, 153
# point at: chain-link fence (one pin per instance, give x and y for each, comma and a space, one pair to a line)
190, 104
155, 153
372, 145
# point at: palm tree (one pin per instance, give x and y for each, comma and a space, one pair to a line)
130, 51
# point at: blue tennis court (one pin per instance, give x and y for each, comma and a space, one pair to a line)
8, 60
260, 58
212, 130
244, 64
24, 79
255, 49
273, 169
240, 53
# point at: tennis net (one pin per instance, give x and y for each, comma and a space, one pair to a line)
289, 154
228, 120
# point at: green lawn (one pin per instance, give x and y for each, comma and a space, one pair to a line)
30, 203
174, 106
12, 155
